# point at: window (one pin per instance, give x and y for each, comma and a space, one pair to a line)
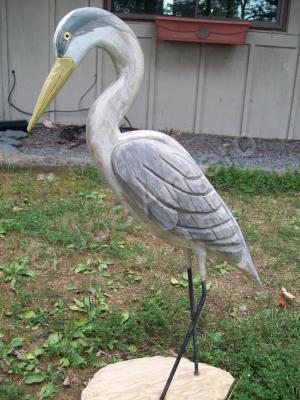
269, 14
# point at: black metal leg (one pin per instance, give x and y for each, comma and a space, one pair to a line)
192, 306
186, 340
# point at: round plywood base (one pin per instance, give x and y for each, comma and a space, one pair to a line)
144, 379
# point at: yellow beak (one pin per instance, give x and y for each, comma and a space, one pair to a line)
59, 74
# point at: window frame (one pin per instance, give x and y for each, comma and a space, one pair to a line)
280, 25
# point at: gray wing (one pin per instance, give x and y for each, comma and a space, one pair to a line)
171, 190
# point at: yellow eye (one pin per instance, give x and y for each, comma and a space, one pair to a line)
67, 35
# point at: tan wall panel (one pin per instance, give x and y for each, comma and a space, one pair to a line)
271, 92
223, 91
81, 79
2, 92
176, 85
296, 131
295, 122
28, 51
293, 20
1, 69
139, 112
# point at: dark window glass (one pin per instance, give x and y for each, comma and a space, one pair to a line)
180, 8
250, 10
262, 13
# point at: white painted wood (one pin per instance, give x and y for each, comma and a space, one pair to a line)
139, 112
176, 85
108, 71
81, 79
271, 92
223, 91
153, 159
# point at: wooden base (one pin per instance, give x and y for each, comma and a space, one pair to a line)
144, 379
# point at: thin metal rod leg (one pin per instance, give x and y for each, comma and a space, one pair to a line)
192, 306
186, 340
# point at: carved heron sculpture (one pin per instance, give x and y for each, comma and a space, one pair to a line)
153, 176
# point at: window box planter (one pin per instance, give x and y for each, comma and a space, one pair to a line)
201, 30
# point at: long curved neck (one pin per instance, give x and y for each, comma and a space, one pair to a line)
112, 105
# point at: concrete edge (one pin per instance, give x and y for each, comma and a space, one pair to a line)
22, 161
25, 161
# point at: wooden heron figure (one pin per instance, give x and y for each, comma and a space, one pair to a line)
153, 176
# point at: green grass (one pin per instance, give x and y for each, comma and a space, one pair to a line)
240, 181
82, 285
13, 392
261, 352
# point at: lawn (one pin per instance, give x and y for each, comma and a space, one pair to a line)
82, 285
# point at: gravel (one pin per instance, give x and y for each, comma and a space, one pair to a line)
242, 151
206, 149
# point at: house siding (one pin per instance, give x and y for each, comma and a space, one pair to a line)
246, 90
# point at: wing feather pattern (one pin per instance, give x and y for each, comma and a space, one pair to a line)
171, 190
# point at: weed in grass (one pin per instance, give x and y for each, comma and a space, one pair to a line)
149, 259
13, 392
23, 186
16, 272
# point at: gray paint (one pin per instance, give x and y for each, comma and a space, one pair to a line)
171, 190
82, 22
152, 174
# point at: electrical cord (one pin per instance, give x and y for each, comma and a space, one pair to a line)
56, 111
60, 111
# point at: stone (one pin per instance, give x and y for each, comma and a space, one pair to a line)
67, 381
14, 134
11, 141
144, 379
7, 148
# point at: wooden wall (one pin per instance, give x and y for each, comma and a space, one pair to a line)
249, 90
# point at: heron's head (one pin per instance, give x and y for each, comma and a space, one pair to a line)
75, 35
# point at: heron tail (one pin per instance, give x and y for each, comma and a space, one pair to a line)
247, 266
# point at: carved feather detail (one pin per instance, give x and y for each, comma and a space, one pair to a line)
172, 191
